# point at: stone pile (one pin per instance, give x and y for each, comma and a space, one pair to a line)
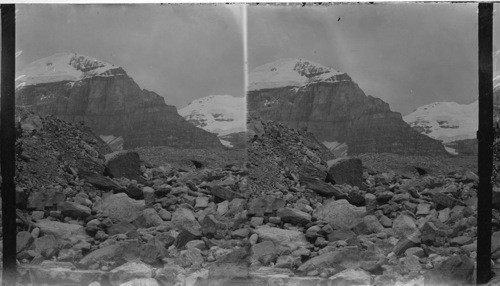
312, 220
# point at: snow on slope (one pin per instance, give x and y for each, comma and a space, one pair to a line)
290, 72
446, 121
63, 67
221, 114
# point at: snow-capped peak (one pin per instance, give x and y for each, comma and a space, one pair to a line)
446, 121
64, 67
290, 73
220, 114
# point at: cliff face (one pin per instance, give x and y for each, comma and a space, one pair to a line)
111, 103
335, 109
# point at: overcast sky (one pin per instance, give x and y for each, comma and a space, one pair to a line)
406, 54
182, 52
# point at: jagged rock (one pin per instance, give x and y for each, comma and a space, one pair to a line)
23, 240
346, 171
340, 214
102, 254
121, 227
148, 218
129, 271
186, 235
61, 230
39, 200
404, 226
347, 257
134, 192
290, 238
446, 200
322, 188
46, 245
293, 216
120, 207
101, 182
184, 218
265, 205
369, 225
74, 210
125, 164
264, 252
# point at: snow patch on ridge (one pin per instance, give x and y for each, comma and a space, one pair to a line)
445, 121
64, 67
290, 73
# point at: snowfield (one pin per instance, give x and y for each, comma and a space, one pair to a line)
220, 114
290, 73
446, 121
63, 67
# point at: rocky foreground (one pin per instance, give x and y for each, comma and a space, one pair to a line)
290, 215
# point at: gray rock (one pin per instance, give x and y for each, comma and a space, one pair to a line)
340, 214
346, 171
294, 216
120, 207
74, 210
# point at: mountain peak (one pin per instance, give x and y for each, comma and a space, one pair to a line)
290, 72
64, 67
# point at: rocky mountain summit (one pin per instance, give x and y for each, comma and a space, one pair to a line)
293, 215
328, 103
449, 122
78, 88
224, 115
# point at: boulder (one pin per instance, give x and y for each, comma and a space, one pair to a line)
404, 226
294, 216
347, 257
148, 218
289, 238
129, 271
346, 170
61, 230
101, 182
74, 210
141, 282
120, 207
340, 214
184, 218
125, 164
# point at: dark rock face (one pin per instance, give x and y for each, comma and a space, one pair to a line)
340, 111
115, 105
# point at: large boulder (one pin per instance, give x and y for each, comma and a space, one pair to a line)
61, 230
61, 273
289, 238
346, 170
340, 214
125, 164
120, 207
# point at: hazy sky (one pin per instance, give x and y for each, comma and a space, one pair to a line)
406, 54
182, 52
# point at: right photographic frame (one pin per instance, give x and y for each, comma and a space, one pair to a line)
366, 118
